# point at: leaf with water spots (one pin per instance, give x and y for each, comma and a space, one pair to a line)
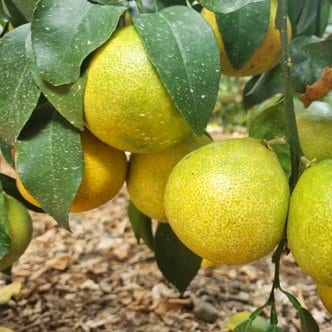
67, 99
64, 32
186, 59
227, 6
50, 162
244, 30
18, 92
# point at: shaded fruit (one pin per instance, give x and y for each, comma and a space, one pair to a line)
325, 294
105, 170
310, 222
125, 103
264, 58
20, 231
148, 175
315, 129
227, 201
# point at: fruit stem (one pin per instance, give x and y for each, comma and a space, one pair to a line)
291, 128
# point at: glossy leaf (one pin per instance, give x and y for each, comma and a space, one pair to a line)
141, 225
66, 99
177, 263
18, 92
187, 60
50, 162
307, 17
4, 227
244, 30
9, 187
64, 32
227, 6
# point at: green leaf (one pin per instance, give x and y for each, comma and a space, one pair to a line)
307, 17
6, 152
259, 324
25, 7
66, 99
320, 52
141, 225
308, 324
18, 92
244, 30
9, 186
189, 66
269, 125
14, 13
227, 6
50, 162
244, 326
4, 227
177, 263
64, 32
274, 328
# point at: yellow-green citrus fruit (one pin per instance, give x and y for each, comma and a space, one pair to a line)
315, 129
20, 231
148, 174
205, 264
227, 201
125, 103
259, 324
325, 294
309, 229
105, 170
264, 58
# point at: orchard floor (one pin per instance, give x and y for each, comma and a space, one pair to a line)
98, 278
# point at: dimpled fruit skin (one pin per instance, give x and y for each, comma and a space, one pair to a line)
227, 201
264, 58
148, 174
310, 222
325, 294
125, 103
314, 125
20, 231
105, 170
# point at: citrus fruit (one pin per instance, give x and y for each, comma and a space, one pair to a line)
205, 263
259, 324
264, 58
310, 222
314, 125
148, 174
104, 173
325, 294
125, 103
227, 201
20, 231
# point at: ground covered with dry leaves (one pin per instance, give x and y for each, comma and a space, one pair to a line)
98, 278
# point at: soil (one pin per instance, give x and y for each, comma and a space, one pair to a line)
98, 278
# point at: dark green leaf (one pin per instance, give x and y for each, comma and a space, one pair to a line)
308, 324
6, 153
307, 17
320, 52
4, 227
141, 225
243, 31
109, 2
50, 162
9, 186
67, 99
14, 13
269, 125
227, 6
25, 7
177, 263
166, 3
187, 60
64, 32
18, 92
274, 328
